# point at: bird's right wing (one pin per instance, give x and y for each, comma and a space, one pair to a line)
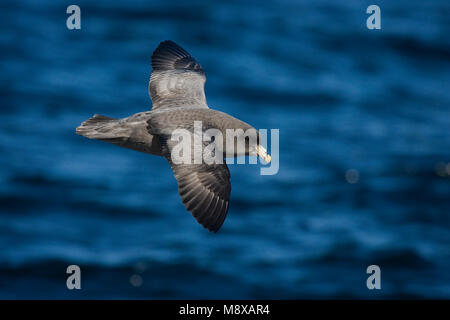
204, 188
177, 79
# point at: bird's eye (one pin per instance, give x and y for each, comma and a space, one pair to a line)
193, 65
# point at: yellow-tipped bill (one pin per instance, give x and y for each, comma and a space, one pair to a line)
262, 153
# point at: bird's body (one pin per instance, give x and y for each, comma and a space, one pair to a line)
177, 91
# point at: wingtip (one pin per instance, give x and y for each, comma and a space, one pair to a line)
213, 230
166, 54
169, 56
167, 42
166, 45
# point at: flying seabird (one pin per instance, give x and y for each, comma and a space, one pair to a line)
176, 89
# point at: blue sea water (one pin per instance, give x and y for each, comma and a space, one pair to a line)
367, 106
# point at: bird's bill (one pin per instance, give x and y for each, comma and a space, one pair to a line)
262, 153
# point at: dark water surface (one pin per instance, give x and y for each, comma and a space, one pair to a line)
344, 98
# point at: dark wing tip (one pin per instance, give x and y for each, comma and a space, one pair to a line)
170, 56
205, 205
217, 218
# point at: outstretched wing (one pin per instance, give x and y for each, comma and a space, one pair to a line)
204, 188
205, 192
177, 79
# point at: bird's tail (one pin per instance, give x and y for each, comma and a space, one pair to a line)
103, 128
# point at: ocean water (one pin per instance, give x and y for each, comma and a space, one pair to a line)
364, 178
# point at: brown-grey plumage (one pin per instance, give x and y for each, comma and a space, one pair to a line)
205, 191
177, 80
176, 88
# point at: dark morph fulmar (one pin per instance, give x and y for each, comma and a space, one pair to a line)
177, 92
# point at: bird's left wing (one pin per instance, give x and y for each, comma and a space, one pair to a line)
177, 79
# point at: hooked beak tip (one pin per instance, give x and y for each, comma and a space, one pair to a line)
262, 153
